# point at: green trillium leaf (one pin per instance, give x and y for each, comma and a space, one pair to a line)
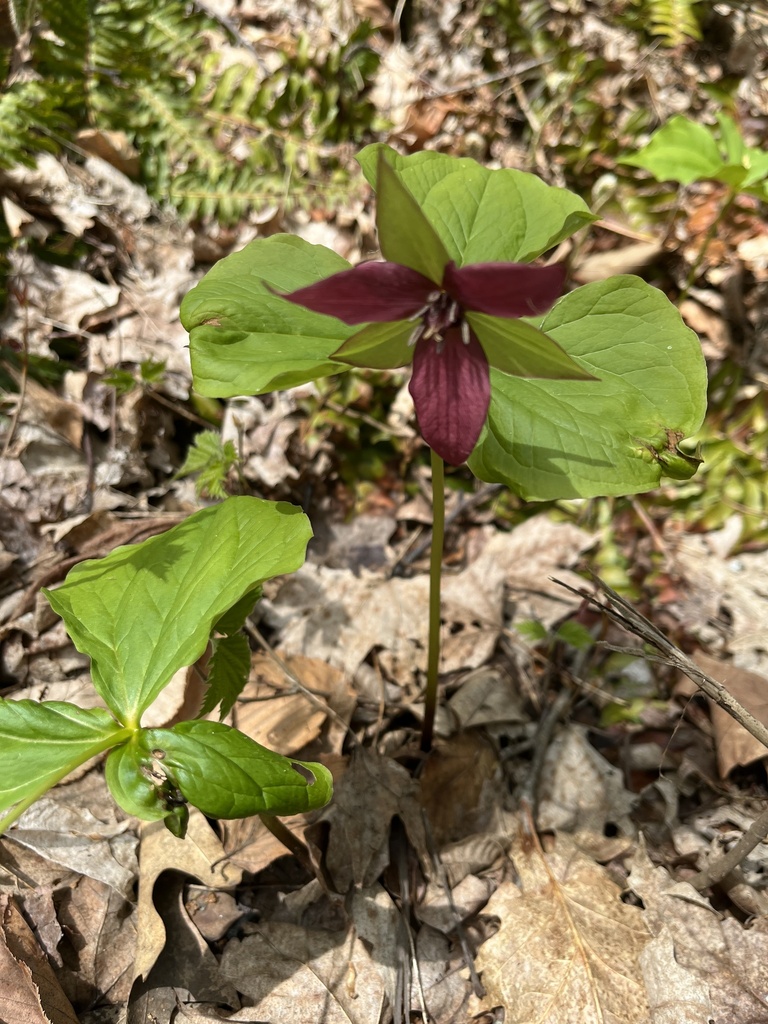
146, 610
215, 768
482, 215
549, 439
405, 234
41, 743
245, 340
378, 346
519, 348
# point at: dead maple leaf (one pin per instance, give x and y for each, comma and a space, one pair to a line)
567, 948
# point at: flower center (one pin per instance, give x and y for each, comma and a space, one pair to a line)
435, 318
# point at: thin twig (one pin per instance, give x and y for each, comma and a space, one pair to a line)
527, 792
622, 612
719, 867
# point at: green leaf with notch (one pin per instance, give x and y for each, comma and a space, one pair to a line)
146, 610
217, 769
550, 439
40, 744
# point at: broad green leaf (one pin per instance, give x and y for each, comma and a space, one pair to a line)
405, 234
42, 743
223, 772
146, 610
517, 347
244, 340
681, 150
227, 673
569, 439
483, 215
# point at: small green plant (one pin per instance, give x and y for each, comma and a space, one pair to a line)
686, 151
592, 397
209, 459
142, 613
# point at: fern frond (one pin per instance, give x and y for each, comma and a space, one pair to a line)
674, 21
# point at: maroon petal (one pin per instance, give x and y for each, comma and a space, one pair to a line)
369, 293
451, 390
505, 289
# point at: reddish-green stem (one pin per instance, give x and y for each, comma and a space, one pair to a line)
435, 571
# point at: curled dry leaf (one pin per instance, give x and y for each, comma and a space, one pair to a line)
727, 958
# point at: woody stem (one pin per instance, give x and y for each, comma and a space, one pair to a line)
435, 571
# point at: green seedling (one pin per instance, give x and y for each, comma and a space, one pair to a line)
686, 151
142, 613
587, 394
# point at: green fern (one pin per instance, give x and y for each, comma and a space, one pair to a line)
211, 142
675, 21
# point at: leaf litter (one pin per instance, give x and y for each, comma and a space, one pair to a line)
422, 874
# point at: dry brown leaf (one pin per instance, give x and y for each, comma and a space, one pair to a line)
29, 991
735, 746
726, 957
461, 784
185, 963
294, 975
487, 697
675, 995
100, 941
715, 580
581, 792
567, 947
289, 723
370, 793
72, 837
199, 854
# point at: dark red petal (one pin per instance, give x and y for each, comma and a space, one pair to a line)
451, 390
505, 289
368, 293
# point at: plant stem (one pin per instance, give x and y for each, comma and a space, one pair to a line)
704, 246
435, 571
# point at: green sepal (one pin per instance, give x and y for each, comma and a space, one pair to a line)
405, 234
379, 346
518, 348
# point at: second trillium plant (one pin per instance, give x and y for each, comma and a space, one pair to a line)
589, 393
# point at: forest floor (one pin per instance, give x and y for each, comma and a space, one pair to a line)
543, 863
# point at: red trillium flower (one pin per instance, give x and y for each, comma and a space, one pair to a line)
455, 322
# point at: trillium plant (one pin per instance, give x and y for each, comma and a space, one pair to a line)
142, 614
556, 393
